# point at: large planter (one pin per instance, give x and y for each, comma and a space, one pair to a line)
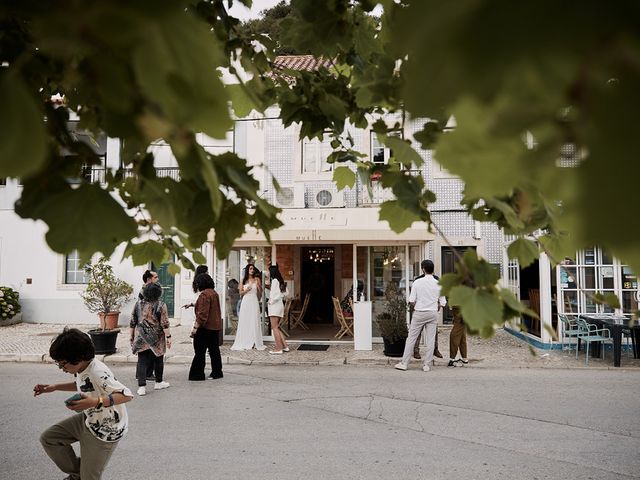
395, 347
104, 341
108, 321
5, 322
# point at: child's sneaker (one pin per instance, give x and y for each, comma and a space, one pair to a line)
142, 391
400, 366
161, 385
462, 363
426, 368
452, 363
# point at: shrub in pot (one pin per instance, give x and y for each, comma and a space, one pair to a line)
105, 294
392, 322
9, 305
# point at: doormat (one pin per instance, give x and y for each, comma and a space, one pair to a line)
313, 346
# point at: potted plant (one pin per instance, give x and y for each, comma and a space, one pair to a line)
105, 294
9, 306
392, 322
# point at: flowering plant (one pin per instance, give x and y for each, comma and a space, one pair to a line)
9, 305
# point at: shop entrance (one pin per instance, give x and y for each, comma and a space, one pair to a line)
317, 280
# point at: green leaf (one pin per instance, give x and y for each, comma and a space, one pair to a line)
525, 250
88, 209
344, 177
189, 92
514, 304
199, 258
145, 252
236, 218
173, 269
479, 308
22, 135
241, 102
403, 152
609, 298
399, 218
448, 281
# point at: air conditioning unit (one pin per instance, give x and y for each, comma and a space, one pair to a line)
328, 199
291, 196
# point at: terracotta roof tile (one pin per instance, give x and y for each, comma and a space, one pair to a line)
301, 62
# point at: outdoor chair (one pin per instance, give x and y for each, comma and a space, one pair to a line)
346, 322
589, 333
285, 317
297, 316
569, 330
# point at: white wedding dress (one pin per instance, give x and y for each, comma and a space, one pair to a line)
249, 332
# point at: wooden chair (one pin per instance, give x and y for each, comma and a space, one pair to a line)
285, 317
298, 315
346, 322
534, 304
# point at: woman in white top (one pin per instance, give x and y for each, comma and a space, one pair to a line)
276, 309
249, 332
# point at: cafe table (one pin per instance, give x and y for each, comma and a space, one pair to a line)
615, 324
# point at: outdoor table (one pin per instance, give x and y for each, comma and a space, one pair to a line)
615, 324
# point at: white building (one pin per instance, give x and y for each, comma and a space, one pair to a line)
324, 231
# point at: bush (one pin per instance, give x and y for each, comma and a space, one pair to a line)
9, 304
392, 322
104, 293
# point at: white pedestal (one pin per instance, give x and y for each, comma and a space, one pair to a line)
362, 326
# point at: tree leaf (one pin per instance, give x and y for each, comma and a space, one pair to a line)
479, 308
88, 209
403, 152
22, 135
525, 250
344, 177
399, 218
173, 269
145, 252
199, 258
608, 298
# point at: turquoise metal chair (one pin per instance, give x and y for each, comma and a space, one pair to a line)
569, 329
589, 333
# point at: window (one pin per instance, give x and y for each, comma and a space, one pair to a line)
314, 156
595, 271
73, 271
380, 153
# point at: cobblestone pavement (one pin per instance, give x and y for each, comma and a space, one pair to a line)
26, 342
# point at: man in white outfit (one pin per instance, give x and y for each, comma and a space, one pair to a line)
426, 300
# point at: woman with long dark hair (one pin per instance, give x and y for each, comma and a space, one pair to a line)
276, 309
206, 330
249, 331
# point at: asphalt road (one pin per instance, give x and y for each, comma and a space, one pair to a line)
292, 422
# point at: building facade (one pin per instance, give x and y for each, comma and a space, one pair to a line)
330, 241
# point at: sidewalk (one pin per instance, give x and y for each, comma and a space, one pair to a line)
27, 342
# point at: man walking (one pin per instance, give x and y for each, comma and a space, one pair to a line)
426, 301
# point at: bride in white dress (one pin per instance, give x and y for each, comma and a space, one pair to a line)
249, 331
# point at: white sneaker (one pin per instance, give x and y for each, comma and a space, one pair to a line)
426, 368
400, 366
161, 385
142, 391
275, 352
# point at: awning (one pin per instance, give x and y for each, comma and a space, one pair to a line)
334, 225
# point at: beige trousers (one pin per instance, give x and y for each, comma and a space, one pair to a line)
95, 454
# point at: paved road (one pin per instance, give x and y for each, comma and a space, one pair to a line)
289, 422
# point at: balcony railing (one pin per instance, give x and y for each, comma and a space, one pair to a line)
164, 172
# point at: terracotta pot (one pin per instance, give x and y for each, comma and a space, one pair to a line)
108, 321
